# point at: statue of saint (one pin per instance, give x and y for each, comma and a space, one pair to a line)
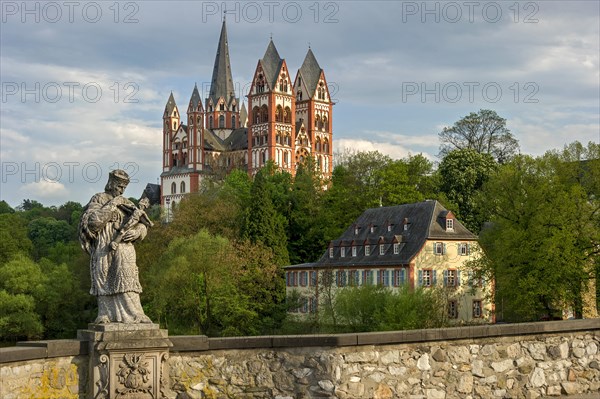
109, 226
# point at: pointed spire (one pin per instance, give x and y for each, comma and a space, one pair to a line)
222, 82
195, 99
271, 63
243, 116
170, 105
310, 72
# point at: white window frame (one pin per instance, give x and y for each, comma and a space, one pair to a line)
396, 248
343, 252
463, 250
381, 249
452, 273
449, 224
452, 309
331, 252
439, 248
427, 280
367, 250
354, 250
477, 308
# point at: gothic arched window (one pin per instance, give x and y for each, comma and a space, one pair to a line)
287, 115
210, 122
222, 121
233, 122
264, 114
256, 114
173, 188
279, 114
182, 187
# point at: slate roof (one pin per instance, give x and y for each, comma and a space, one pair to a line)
212, 141
310, 71
271, 64
152, 192
222, 83
170, 105
237, 140
195, 99
425, 221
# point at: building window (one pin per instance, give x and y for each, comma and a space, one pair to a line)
182, 187
356, 229
449, 224
312, 304
222, 121
340, 278
342, 252
451, 278
331, 252
233, 122
452, 309
367, 277
427, 277
367, 250
399, 277
303, 279
313, 278
372, 229
396, 248
390, 227
439, 248
464, 249
381, 249
353, 250
383, 277
304, 306
173, 188
477, 308
210, 122
354, 278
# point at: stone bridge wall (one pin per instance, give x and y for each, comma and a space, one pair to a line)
530, 360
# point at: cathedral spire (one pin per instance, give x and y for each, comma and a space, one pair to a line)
222, 82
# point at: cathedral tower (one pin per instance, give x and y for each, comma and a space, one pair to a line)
271, 109
222, 107
313, 114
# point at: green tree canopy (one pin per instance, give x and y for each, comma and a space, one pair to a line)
484, 132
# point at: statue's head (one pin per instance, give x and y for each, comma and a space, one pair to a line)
118, 180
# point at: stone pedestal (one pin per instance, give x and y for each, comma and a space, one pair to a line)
127, 361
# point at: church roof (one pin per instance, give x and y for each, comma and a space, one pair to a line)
213, 142
222, 82
170, 105
152, 192
271, 64
195, 99
237, 140
310, 72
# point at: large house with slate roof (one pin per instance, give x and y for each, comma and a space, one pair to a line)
415, 245
286, 121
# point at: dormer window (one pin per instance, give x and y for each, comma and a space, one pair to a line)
331, 252
381, 249
449, 224
354, 250
372, 228
356, 230
342, 252
367, 250
396, 248
390, 227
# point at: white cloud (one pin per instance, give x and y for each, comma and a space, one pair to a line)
45, 190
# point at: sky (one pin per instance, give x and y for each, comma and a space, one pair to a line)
84, 83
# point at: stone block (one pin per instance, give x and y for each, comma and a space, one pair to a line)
189, 343
313, 340
59, 347
21, 353
240, 342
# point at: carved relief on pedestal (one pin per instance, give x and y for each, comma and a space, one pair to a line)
134, 377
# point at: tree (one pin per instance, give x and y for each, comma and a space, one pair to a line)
13, 236
305, 235
542, 244
5, 208
485, 132
263, 224
462, 173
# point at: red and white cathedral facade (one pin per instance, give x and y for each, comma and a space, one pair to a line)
286, 121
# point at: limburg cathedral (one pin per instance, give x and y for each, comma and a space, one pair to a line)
286, 120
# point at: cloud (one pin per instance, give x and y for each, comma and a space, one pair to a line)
45, 190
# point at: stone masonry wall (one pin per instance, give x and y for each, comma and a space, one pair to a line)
533, 360
511, 367
55, 378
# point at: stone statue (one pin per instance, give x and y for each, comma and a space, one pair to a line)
109, 226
